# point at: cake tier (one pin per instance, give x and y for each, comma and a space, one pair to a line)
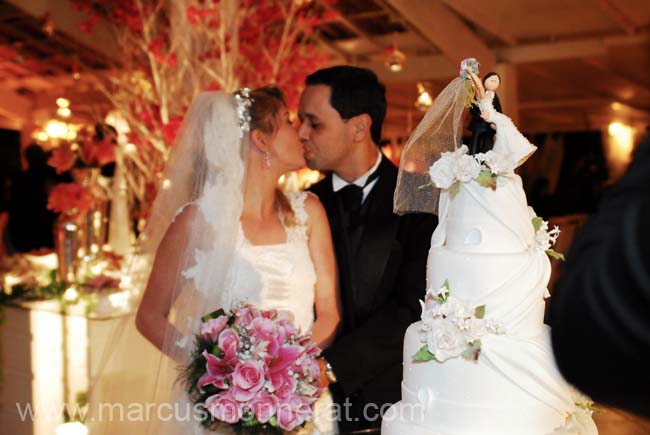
479, 219
511, 286
513, 388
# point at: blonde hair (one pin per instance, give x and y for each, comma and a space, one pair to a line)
267, 102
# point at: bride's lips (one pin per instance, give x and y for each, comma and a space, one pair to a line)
307, 150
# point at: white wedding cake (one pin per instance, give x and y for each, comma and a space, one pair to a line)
480, 360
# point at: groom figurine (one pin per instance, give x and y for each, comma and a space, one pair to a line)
381, 256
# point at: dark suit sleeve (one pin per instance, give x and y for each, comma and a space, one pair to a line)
600, 313
368, 350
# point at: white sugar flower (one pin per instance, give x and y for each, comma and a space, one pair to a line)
480, 157
437, 294
546, 238
477, 329
455, 309
443, 171
500, 163
461, 151
445, 341
467, 168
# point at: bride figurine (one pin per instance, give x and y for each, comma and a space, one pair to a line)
509, 140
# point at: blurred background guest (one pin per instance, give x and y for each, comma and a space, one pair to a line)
30, 222
600, 312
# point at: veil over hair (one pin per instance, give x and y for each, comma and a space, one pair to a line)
201, 199
439, 131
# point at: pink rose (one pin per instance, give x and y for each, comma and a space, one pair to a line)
288, 418
213, 327
215, 372
263, 329
286, 388
230, 343
279, 378
304, 407
245, 315
264, 406
224, 407
247, 379
288, 327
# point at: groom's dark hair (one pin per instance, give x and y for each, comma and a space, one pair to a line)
354, 91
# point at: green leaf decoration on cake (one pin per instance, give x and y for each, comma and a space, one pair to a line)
454, 189
473, 351
424, 355
537, 223
554, 254
442, 298
479, 312
487, 179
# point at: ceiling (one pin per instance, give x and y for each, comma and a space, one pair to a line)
567, 65
576, 65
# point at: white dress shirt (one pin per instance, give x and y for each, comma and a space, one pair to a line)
339, 183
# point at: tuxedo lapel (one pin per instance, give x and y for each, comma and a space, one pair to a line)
379, 233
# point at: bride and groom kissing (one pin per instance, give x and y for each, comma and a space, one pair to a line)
336, 259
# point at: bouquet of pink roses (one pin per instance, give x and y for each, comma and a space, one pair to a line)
254, 371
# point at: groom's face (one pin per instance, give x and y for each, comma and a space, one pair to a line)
324, 133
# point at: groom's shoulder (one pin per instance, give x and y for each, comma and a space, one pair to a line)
321, 188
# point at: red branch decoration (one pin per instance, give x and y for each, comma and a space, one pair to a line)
171, 51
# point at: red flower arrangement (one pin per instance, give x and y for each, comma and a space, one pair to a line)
90, 150
70, 198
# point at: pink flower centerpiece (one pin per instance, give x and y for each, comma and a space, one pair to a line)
254, 371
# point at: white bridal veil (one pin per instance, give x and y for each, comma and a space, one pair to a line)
201, 199
440, 130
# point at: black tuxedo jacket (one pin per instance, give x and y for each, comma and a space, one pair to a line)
600, 312
380, 287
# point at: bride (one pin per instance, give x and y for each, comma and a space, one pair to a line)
221, 232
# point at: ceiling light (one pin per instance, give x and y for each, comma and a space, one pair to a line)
395, 59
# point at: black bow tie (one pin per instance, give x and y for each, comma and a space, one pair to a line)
351, 196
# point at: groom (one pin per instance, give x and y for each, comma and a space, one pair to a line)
381, 256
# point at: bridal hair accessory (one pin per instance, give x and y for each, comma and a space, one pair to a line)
244, 102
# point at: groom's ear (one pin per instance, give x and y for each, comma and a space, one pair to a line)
361, 127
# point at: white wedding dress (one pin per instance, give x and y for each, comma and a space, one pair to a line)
508, 140
282, 277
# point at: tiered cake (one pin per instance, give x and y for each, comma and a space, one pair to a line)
480, 360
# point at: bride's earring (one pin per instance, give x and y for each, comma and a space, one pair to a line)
267, 159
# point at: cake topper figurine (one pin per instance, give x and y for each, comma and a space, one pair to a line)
482, 130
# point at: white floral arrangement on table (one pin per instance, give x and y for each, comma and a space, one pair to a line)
451, 328
456, 167
545, 239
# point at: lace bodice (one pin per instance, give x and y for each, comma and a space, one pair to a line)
279, 276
